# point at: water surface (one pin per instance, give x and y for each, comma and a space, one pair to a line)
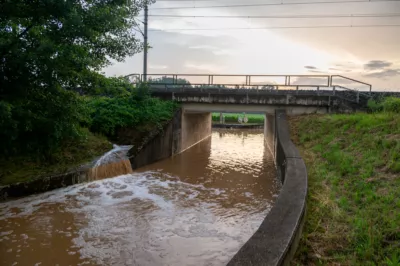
197, 208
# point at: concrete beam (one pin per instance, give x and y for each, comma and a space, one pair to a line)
250, 108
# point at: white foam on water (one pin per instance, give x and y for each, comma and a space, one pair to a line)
143, 216
111, 155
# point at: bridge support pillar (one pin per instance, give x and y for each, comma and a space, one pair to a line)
196, 126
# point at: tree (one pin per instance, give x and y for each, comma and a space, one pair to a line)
49, 50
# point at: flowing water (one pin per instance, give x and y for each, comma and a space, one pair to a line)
113, 163
197, 208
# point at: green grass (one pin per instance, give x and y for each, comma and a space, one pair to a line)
23, 168
233, 118
353, 164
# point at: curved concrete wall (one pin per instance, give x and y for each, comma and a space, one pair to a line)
275, 242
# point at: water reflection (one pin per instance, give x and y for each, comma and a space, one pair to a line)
197, 208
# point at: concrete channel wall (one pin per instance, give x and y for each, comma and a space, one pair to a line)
45, 184
275, 242
175, 136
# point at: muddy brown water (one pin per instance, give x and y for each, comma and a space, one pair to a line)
197, 208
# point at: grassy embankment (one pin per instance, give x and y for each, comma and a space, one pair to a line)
353, 163
233, 118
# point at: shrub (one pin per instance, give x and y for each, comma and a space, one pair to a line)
388, 104
137, 108
374, 105
391, 104
41, 122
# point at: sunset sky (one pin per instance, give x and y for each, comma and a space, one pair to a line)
371, 54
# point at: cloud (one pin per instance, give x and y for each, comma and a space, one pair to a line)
377, 64
311, 81
203, 67
205, 47
310, 67
387, 73
158, 67
215, 50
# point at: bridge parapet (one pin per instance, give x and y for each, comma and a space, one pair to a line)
349, 88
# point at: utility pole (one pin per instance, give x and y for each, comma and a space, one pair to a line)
146, 21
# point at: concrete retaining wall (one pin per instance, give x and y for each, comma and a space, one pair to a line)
275, 242
41, 185
175, 136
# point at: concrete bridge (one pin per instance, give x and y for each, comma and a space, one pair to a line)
276, 240
297, 94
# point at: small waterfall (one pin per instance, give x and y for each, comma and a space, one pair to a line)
113, 163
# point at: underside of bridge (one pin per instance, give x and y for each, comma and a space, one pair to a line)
193, 123
253, 108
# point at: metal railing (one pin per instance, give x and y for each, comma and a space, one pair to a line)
350, 83
350, 88
238, 80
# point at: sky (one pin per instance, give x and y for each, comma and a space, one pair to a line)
262, 47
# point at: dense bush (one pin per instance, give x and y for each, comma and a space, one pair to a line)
50, 53
389, 104
137, 108
40, 122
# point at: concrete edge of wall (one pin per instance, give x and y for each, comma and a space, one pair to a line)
276, 240
41, 185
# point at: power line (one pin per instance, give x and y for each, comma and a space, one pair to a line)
388, 15
274, 4
280, 27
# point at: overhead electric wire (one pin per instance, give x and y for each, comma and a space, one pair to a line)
273, 4
383, 15
278, 27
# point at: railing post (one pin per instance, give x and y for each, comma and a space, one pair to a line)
358, 96
334, 90
288, 81
249, 81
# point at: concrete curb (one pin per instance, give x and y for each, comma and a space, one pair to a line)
275, 242
44, 184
